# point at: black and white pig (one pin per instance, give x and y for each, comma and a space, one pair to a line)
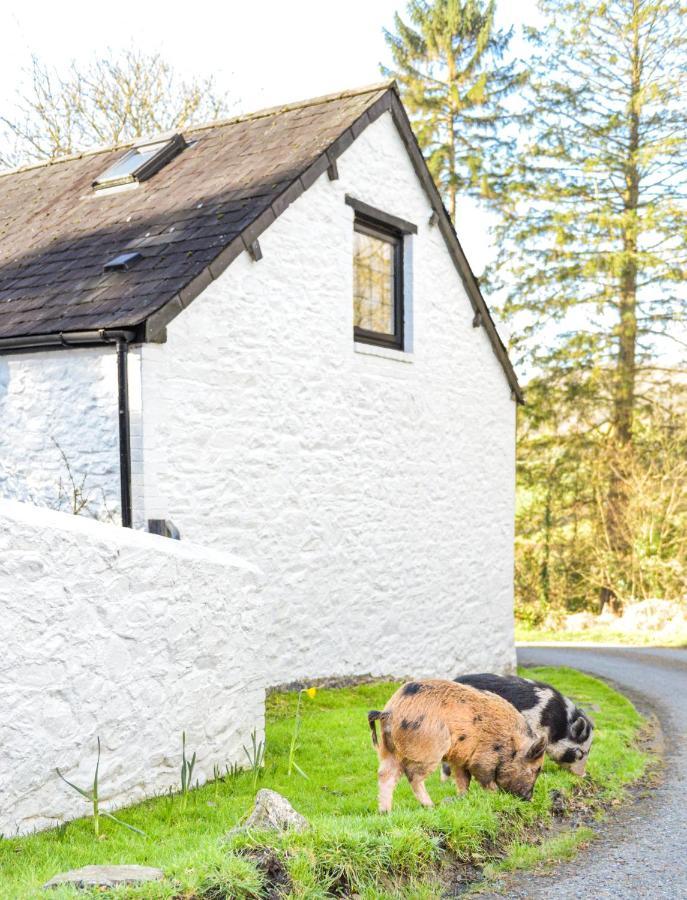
568, 730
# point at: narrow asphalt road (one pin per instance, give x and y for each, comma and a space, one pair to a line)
641, 852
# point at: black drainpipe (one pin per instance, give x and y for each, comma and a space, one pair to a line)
122, 339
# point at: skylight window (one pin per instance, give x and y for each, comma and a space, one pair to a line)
142, 161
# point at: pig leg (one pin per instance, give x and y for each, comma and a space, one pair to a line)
461, 777
390, 772
416, 774
486, 775
445, 771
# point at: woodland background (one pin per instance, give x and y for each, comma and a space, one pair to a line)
577, 145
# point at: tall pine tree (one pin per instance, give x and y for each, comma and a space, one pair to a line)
594, 249
448, 63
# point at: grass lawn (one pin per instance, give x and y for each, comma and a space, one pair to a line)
601, 635
349, 848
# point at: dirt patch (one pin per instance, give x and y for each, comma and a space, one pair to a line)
277, 881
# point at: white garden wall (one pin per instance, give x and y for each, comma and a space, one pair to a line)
59, 410
375, 489
124, 635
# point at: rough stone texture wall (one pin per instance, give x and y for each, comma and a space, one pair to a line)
374, 489
56, 400
124, 635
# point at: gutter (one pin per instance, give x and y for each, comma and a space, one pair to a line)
121, 339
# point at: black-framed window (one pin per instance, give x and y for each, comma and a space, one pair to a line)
377, 283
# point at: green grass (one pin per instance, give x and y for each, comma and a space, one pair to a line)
600, 634
349, 847
522, 856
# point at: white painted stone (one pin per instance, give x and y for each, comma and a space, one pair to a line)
124, 635
60, 400
377, 496
374, 491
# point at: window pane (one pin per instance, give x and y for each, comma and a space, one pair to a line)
373, 284
130, 162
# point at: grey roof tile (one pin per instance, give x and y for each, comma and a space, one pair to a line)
56, 234
190, 220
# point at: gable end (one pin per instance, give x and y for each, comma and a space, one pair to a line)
389, 101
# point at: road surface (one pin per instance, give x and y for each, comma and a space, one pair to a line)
642, 852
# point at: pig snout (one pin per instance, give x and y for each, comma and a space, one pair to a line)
522, 791
574, 759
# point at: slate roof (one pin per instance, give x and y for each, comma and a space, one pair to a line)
189, 221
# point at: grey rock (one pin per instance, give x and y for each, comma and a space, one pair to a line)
274, 813
105, 876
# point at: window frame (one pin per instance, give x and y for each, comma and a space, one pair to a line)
364, 224
168, 148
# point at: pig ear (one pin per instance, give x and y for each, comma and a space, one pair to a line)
578, 727
537, 748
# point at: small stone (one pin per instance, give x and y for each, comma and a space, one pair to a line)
105, 876
273, 813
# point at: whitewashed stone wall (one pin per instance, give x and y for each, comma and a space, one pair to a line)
60, 401
374, 489
124, 635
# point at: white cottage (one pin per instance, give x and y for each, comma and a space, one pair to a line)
263, 336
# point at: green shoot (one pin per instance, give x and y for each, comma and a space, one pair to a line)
256, 756
311, 691
186, 769
93, 797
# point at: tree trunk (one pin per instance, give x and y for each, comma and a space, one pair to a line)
626, 370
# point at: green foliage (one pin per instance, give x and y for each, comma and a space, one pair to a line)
349, 845
448, 63
592, 253
564, 549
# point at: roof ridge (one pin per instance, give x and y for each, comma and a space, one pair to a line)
387, 84
300, 104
